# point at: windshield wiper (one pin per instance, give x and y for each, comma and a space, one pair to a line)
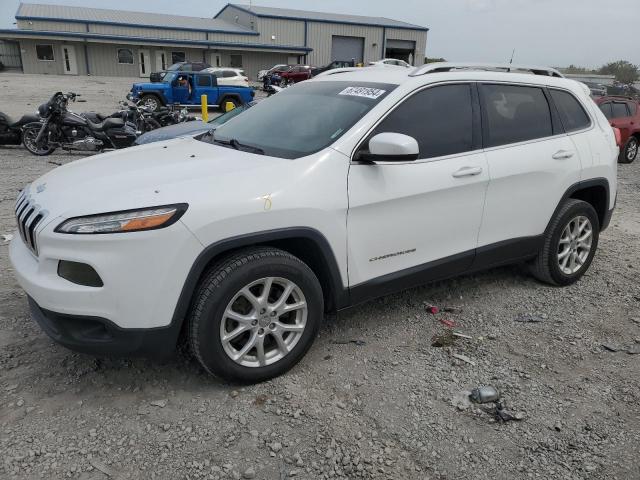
233, 143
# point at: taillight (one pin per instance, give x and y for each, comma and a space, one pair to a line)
618, 134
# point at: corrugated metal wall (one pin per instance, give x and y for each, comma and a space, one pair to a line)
49, 26
10, 54
30, 62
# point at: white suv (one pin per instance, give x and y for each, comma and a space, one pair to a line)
373, 181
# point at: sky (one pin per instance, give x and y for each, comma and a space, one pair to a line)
558, 33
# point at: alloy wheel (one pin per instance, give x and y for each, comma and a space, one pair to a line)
575, 245
632, 149
263, 322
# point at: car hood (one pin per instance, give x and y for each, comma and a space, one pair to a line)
146, 85
173, 131
157, 174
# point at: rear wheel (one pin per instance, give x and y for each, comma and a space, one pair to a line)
255, 315
570, 244
151, 102
630, 151
29, 136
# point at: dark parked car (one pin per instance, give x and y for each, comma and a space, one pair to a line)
274, 76
190, 128
179, 67
623, 113
335, 64
297, 73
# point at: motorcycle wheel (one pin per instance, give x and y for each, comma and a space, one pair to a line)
29, 141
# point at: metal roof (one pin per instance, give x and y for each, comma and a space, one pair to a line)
36, 11
287, 13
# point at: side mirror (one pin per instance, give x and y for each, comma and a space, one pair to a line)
392, 147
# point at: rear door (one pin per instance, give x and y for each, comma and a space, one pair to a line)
203, 87
532, 163
622, 119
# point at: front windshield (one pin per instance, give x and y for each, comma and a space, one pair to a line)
225, 117
170, 77
303, 119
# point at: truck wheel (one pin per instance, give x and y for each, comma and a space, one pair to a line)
630, 151
570, 243
255, 315
151, 101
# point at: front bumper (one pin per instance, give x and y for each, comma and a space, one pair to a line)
101, 337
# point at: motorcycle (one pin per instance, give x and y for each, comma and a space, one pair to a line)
137, 114
62, 128
11, 130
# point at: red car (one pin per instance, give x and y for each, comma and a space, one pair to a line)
624, 114
297, 73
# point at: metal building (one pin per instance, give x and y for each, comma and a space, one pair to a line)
60, 39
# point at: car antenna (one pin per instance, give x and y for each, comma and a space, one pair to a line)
511, 61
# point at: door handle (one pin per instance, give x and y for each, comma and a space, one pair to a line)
467, 172
562, 155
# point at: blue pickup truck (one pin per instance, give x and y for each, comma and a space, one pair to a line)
187, 88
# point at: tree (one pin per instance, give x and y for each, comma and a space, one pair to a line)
574, 69
625, 72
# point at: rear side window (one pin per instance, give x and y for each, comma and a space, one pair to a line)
606, 109
204, 81
633, 108
439, 118
229, 74
619, 110
514, 114
572, 114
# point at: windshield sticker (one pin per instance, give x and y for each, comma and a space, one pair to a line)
365, 92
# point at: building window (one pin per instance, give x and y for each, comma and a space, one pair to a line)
45, 53
178, 57
125, 56
236, 61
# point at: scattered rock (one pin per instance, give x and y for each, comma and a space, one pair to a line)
159, 403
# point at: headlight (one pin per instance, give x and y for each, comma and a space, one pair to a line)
126, 221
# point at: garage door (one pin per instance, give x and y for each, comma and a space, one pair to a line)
347, 48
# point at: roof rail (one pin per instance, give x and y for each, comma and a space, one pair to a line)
338, 70
500, 67
621, 97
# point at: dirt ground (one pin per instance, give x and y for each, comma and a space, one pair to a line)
372, 399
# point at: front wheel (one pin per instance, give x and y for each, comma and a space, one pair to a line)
29, 136
630, 151
255, 315
570, 244
151, 102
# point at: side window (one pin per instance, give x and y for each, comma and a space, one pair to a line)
514, 114
572, 114
228, 74
45, 53
633, 108
439, 118
606, 109
619, 110
203, 81
125, 56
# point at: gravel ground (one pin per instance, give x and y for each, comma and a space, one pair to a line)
372, 399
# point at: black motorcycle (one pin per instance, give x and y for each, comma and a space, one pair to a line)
136, 114
64, 129
11, 130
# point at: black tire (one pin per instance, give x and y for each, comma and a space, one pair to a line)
546, 267
28, 140
630, 150
149, 124
223, 104
151, 101
217, 289
283, 82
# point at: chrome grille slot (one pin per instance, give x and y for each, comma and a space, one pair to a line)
28, 217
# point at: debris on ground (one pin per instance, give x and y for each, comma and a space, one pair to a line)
612, 347
485, 394
634, 349
159, 403
98, 465
447, 323
7, 237
452, 309
432, 309
463, 358
462, 335
445, 339
502, 415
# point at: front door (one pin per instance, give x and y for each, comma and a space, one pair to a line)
216, 60
413, 221
182, 89
161, 60
69, 60
145, 64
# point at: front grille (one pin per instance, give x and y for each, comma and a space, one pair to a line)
28, 216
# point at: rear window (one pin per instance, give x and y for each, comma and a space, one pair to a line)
203, 80
572, 115
514, 114
619, 110
606, 109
